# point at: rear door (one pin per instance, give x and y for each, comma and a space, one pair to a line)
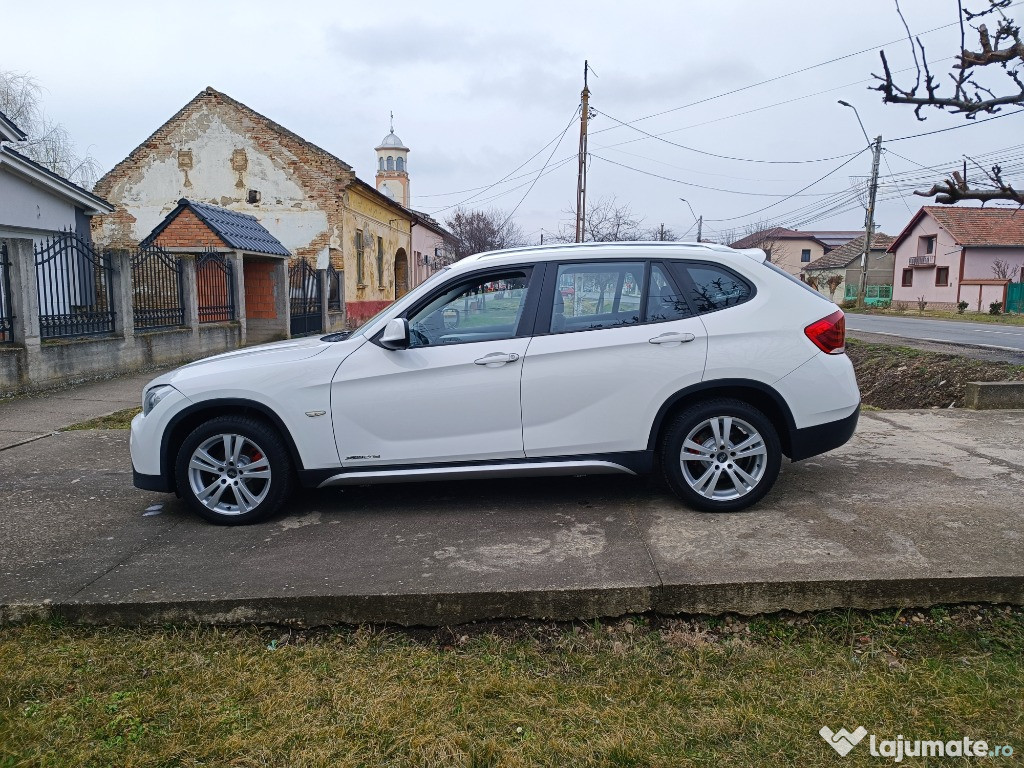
613, 341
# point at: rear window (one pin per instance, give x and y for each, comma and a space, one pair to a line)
711, 287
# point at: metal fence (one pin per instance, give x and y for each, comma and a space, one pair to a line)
6, 315
1015, 297
873, 294
306, 298
74, 285
335, 288
215, 283
158, 291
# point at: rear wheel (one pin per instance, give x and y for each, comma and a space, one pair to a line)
721, 455
234, 470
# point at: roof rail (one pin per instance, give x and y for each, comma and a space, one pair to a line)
614, 244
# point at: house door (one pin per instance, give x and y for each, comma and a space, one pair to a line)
401, 273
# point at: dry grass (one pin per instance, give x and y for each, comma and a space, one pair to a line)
676, 694
119, 420
1013, 318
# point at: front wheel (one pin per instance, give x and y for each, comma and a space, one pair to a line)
721, 455
234, 470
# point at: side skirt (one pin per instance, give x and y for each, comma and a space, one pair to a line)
631, 463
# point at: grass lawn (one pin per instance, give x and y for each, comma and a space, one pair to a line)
942, 314
626, 693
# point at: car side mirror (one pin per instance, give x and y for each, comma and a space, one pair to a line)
396, 334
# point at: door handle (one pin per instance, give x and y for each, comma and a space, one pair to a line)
672, 338
494, 359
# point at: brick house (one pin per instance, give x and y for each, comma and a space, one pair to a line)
219, 151
256, 286
947, 254
792, 249
844, 261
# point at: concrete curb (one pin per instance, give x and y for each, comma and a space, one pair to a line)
995, 395
558, 605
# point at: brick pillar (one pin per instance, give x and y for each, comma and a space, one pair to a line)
24, 292
325, 321
281, 303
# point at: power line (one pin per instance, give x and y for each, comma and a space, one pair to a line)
957, 127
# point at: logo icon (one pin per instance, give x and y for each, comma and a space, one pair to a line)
842, 741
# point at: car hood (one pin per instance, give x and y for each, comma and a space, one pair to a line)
241, 360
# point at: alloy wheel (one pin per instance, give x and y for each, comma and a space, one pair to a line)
723, 458
229, 474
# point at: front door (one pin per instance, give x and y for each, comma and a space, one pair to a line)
616, 340
453, 395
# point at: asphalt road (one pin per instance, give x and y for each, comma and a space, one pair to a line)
992, 335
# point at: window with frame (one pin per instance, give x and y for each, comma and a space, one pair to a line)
359, 258
942, 276
664, 301
805, 254
485, 308
380, 261
908, 278
714, 288
589, 297
929, 245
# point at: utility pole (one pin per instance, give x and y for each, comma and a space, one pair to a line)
581, 180
700, 226
869, 223
661, 232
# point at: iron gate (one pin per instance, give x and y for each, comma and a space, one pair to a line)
157, 289
307, 297
6, 316
1015, 297
215, 285
74, 288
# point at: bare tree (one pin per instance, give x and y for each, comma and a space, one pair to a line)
998, 51
478, 231
763, 235
49, 143
1004, 270
606, 220
825, 280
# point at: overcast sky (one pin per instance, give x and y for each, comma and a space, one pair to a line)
478, 88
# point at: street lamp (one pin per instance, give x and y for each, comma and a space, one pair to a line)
699, 220
869, 219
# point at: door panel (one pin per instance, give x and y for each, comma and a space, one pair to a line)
598, 391
429, 404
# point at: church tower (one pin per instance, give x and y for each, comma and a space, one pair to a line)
393, 167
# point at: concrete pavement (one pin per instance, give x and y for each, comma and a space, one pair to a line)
922, 507
987, 335
30, 417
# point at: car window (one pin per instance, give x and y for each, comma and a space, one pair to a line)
715, 288
664, 302
593, 296
486, 308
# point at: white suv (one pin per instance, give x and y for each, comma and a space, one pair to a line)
705, 363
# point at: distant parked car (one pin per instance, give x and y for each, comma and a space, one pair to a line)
720, 365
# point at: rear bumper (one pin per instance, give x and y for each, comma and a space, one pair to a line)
810, 441
151, 482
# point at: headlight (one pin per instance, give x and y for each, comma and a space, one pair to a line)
153, 396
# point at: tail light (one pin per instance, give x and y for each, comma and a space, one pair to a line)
829, 333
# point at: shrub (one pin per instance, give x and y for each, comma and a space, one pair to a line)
900, 306
921, 304
961, 307
995, 308
849, 304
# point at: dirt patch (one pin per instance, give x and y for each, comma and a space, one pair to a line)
900, 377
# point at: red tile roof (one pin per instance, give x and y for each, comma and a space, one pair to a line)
974, 227
757, 239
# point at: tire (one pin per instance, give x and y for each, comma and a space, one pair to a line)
246, 490
720, 481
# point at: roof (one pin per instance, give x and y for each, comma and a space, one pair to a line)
391, 141
839, 258
757, 239
212, 94
9, 131
973, 227
240, 231
428, 221
833, 238
39, 175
